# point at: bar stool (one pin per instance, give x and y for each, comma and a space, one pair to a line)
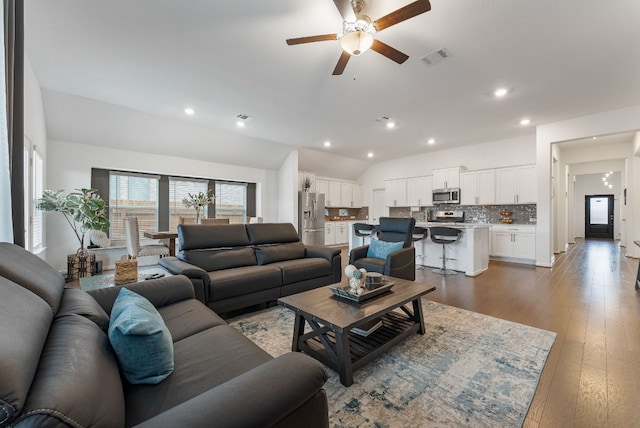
418, 234
445, 236
363, 230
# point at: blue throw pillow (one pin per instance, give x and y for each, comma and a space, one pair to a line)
381, 249
141, 339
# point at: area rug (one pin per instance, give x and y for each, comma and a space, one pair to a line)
467, 370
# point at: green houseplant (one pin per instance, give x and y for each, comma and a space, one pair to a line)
198, 201
83, 209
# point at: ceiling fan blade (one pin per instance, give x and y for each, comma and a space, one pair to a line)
391, 53
342, 63
345, 9
311, 39
402, 14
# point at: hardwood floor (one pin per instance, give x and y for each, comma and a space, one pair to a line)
592, 375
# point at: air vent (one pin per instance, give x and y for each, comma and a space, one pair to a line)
436, 56
242, 116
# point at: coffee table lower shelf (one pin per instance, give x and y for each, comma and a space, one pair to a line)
362, 350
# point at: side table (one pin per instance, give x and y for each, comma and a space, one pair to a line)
106, 280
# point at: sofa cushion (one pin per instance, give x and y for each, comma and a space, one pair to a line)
140, 338
219, 259
381, 249
78, 381
222, 353
24, 324
32, 273
201, 236
271, 253
303, 269
244, 280
186, 318
77, 302
271, 233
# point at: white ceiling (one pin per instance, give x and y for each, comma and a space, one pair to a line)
120, 72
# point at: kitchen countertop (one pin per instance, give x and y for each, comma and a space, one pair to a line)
451, 224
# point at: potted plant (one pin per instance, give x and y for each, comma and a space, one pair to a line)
306, 184
84, 210
198, 201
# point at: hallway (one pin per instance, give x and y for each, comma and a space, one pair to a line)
592, 376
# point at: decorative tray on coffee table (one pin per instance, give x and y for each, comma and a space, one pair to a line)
342, 290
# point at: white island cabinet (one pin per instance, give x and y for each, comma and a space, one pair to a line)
469, 255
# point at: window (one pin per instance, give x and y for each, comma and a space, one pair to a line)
132, 195
33, 183
179, 188
231, 201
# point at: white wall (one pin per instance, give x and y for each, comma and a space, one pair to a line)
288, 194
69, 167
496, 154
611, 122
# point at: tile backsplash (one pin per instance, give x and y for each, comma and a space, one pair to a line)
521, 214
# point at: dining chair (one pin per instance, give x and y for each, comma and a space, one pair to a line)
132, 237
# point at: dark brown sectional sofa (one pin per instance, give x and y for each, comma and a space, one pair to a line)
239, 265
58, 368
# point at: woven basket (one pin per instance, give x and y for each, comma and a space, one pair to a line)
126, 271
80, 264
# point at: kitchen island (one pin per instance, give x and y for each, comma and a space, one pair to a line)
469, 255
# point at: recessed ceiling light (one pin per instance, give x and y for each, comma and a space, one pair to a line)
525, 122
391, 124
431, 141
604, 178
595, 138
327, 143
610, 186
370, 155
501, 92
240, 123
189, 111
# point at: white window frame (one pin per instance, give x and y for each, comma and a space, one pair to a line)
33, 187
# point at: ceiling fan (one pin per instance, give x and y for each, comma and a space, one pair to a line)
356, 37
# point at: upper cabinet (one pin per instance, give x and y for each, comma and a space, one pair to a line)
351, 195
478, 187
395, 193
419, 192
322, 186
334, 197
516, 185
446, 178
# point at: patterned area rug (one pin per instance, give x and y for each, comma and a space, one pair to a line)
467, 370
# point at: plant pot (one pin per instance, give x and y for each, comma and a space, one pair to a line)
80, 264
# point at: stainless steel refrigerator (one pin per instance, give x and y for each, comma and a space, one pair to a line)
311, 218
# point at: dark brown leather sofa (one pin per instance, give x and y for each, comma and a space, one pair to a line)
239, 265
58, 369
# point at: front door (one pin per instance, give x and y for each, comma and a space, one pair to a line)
598, 221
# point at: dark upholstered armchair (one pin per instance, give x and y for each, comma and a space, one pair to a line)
400, 263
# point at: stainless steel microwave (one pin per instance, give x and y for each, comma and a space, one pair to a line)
446, 196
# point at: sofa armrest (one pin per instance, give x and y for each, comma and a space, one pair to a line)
261, 397
402, 264
198, 276
160, 292
358, 253
321, 251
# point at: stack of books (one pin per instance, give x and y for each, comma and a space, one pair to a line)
368, 327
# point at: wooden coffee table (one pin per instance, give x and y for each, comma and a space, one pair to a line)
331, 319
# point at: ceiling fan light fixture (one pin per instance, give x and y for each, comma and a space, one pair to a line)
356, 42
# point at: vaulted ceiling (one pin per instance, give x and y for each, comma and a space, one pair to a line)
120, 73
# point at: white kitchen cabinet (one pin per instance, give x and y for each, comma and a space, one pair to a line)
346, 195
518, 242
341, 232
329, 234
478, 187
357, 196
446, 178
322, 186
334, 196
395, 193
516, 185
419, 192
